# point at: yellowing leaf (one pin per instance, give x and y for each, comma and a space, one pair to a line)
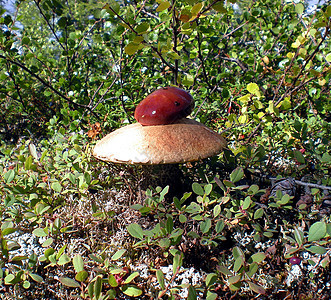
296, 44
131, 48
244, 99
285, 104
260, 114
243, 119
303, 52
163, 6
290, 55
219, 6
299, 8
196, 8
266, 60
321, 82
253, 89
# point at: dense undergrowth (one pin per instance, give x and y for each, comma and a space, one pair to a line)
253, 222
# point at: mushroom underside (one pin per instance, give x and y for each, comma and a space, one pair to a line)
184, 141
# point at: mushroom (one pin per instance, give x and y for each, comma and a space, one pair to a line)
185, 140
179, 140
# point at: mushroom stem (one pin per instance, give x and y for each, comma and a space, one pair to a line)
163, 175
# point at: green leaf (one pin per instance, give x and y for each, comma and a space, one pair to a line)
205, 225
229, 183
177, 262
192, 294
285, 104
56, 186
198, 189
97, 287
142, 27
219, 7
62, 22
136, 231
90, 289
47, 243
182, 218
112, 280
211, 295
299, 157
216, 210
234, 279
299, 8
64, 259
219, 226
9, 278
36, 277
39, 232
252, 269
25, 40
81, 276
28, 163
258, 213
237, 174
69, 282
224, 270
7, 231
78, 263
326, 158
196, 8
163, 6
131, 290
193, 208
256, 288
131, 48
118, 254
238, 263
131, 277
26, 284
253, 89
258, 257
237, 252
247, 202
160, 278
317, 231
298, 235
208, 189
9, 176
164, 243
317, 249
169, 224
211, 279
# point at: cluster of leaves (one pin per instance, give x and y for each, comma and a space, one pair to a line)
222, 207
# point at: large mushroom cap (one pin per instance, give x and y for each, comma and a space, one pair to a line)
183, 141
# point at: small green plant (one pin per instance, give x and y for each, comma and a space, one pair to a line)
314, 241
243, 271
105, 282
15, 269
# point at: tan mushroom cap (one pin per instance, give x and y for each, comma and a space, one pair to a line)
184, 141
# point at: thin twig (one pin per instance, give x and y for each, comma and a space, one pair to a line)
312, 185
42, 81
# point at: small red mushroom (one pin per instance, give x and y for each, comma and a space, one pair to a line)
164, 106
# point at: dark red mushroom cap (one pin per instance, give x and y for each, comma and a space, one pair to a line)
164, 106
